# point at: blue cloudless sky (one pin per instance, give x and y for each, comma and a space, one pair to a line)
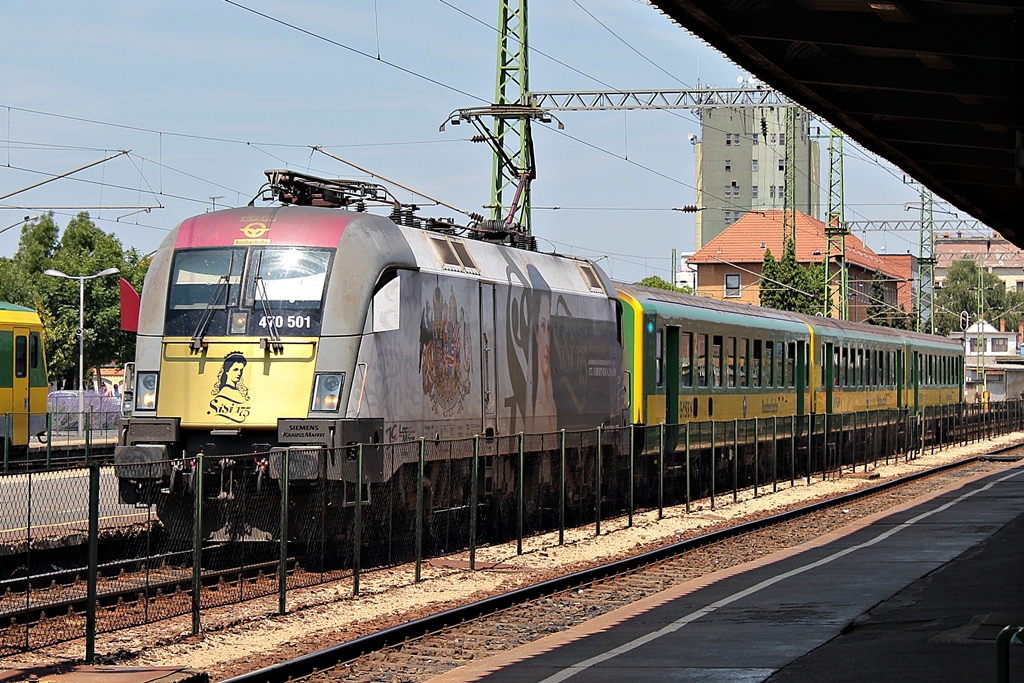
207, 94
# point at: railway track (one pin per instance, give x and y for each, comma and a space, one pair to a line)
122, 586
423, 648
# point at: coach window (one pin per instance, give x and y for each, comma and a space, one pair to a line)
780, 364
741, 361
716, 361
33, 350
702, 360
685, 366
659, 365
769, 364
20, 357
755, 367
730, 352
791, 365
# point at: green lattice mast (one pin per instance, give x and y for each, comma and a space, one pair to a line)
511, 186
836, 230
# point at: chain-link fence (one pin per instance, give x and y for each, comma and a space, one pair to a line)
199, 532
57, 439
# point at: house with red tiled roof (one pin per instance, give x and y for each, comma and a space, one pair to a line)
729, 266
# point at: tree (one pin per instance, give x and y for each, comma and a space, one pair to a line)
657, 283
788, 286
960, 292
880, 312
83, 249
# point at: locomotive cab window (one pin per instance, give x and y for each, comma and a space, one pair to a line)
236, 291
205, 277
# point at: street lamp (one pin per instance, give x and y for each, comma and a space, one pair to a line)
81, 328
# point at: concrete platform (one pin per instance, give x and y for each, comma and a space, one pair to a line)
916, 593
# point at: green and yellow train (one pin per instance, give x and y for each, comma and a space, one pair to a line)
23, 385
692, 359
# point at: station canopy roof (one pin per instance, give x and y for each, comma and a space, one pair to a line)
933, 86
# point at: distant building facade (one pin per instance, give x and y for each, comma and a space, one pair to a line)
992, 360
741, 157
995, 254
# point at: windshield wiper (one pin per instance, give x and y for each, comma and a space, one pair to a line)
223, 282
273, 338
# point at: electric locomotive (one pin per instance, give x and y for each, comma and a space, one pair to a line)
310, 326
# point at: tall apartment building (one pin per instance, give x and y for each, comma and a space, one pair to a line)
741, 166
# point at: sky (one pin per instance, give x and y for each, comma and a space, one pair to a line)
208, 94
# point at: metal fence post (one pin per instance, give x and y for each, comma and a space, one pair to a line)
712, 464
282, 577
519, 496
473, 502
661, 472
49, 438
597, 486
775, 453
735, 459
93, 570
687, 466
197, 541
419, 509
357, 533
7, 441
88, 438
757, 452
792, 451
632, 477
561, 492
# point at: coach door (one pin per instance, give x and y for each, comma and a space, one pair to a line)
672, 375
916, 379
487, 360
19, 404
828, 362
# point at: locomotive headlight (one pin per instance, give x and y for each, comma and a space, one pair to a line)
239, 322
145, 396
327, 392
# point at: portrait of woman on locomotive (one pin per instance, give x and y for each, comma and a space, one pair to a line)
230, 391
544, 417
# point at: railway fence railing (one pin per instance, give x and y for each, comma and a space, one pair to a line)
75, 562
58, 439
